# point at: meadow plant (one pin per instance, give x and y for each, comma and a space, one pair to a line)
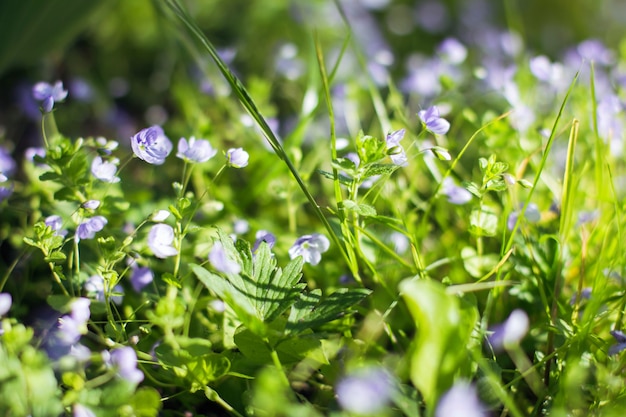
358, 232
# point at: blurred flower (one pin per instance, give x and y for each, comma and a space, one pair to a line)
103, 170
394, 149
456, 195
160, 216
452, 51
5, 191
366, 391
124, 360
461, 401
511, 332
95, 288
264, 236
241, 226
141, 277
48, 94
55, 223
310, 247
196, 150
594, 50
89, 227
91, 204
548, 72
400, 242
74, 325
82, 411
220, 260
31, 152
585, 217
80, 89
532, 214
160, 240
431, 120
7, 163
5, 303
237, 158
585, 294
620, 338
151, 145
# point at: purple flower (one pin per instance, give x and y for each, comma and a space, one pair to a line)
5, 192
456, 195
5, 303
237, 157
452, 51
141, 277
461, 400
196, 150
430, 118
7, 163
95, 288
88, 228
532, 214
395, 150
160, 240
103, 170
620, 338
511, 332
366, 391
310, 247
151, 145
48, 94
55, 223
91, 204
124, 360
264, 236
73, 326
220, 260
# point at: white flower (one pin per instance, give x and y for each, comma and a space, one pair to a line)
160, 240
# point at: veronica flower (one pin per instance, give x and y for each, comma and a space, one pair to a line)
532, 214
431, 120
160, 240
73, 326
366, 391
461, 400
456, 195
48, 94
237, 157
511, 332
452, 51
95, 288
151, 145
89, 227
91, 204
160, 216
124, 360
5, 303
141, 277
620, 338
264, 236
196, 150
220, 260
55, 223
7, 163
103, 170
394, 149
310, 247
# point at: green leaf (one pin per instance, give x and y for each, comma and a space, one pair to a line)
55, 257
361, 209
477, 266
65, 194
378, 169
312, 311
442, 338
342, 178
483, 222
146, 402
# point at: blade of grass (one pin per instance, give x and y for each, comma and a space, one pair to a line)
250, 106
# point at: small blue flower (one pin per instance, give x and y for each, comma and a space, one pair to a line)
89, 227
237, 157
366, 391
461, 400
151, 145
74, 325
196, 150
310, 247
48, 94
395, 150
620, 337
532, 214
91, 204
511, 332
124, 361
264, 236
5, 303
160, 239
55, 223
104, 170
7, 163
141, 277
430, 118
220, 260
456, 195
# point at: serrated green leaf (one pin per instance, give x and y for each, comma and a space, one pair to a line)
342, 178
56, 257
378, 169
361, 209
306, 313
